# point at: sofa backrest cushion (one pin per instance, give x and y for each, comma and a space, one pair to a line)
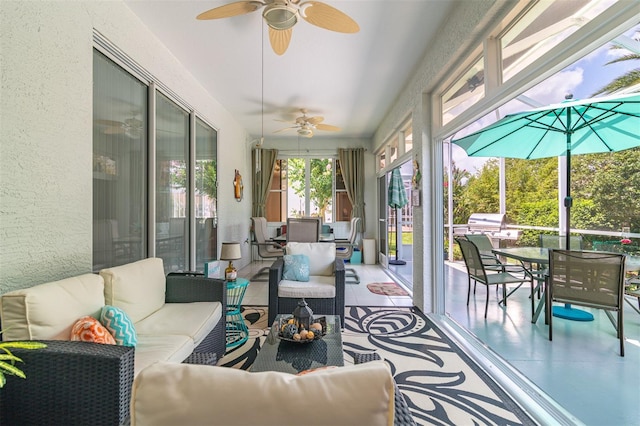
48, 311
171, 394
322, 256
137, 288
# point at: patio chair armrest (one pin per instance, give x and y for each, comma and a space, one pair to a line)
273, 244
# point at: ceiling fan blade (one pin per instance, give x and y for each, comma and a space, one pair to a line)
112, 127
315, 120
108, 122
231, 9
328, 17
285, 129
114, 130
327, 127
280, 40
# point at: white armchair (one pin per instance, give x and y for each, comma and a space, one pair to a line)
324, 292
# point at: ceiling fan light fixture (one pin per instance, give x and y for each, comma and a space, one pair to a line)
280, 16
306, 132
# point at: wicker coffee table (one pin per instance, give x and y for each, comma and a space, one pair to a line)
290, 357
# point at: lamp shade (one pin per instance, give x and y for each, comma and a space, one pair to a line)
230, 251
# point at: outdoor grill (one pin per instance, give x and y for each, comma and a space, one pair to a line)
494, 225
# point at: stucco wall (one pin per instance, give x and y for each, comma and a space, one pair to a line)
46, 134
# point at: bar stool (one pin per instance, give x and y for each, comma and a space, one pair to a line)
237, 330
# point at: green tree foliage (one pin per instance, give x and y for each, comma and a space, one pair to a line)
482, 190
321, 181
612, 181
605, 190
461, 209
206, 177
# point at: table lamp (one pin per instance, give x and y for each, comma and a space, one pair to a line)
230, 252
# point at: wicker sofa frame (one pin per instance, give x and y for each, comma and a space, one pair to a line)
79, 383
285, 305
402, 416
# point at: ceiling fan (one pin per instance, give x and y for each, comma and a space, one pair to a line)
305, 126
132, 127
282, 15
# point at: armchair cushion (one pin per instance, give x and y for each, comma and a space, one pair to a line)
48, 311
318, 288
137, 288
321, 256
296, 267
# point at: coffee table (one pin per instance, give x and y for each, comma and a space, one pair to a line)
290, 357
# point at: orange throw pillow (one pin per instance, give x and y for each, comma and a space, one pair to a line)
89, 329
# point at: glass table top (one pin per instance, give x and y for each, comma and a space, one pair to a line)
290, 357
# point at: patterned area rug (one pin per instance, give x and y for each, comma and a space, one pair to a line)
387, 289
441, 385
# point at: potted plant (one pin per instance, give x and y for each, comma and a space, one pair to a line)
8, 360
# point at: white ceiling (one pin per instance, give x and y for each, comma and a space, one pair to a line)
350, 79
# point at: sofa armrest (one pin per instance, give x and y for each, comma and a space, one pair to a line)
185, 287
70, 383
402, 415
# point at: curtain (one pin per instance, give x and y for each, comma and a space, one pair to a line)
264, 163
352, 165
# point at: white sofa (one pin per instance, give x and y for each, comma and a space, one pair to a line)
175, 316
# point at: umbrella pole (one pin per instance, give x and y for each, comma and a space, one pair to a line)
396, 261
566, 311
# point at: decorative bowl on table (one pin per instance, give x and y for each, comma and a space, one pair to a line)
288, 330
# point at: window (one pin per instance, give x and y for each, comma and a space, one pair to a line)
172, 201
185, 192
393, 150
119, 165
206, 193
305, 187
464, 92
408, 138
543, 26
382, 160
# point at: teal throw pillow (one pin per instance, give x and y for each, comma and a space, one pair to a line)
119, 325
296, 267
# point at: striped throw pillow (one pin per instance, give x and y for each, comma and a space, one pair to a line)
119, 325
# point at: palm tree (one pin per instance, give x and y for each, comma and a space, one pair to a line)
628, 79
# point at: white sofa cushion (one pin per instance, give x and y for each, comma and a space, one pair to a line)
48, 311
195, 320
137, 288
318, 287
322, 256
168, 348
174, 394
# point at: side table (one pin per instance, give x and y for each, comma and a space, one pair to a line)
237, 330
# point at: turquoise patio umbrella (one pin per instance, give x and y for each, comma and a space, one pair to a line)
397, 199
605, 124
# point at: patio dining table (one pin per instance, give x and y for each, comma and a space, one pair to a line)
530, 256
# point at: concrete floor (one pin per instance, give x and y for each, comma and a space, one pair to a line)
580, 369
